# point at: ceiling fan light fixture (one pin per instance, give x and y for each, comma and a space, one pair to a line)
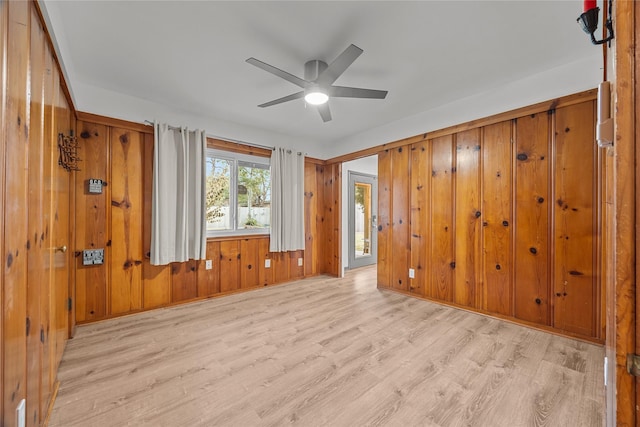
316, 97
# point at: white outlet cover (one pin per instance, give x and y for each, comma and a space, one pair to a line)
299, 262
21, 414
208, 264
412, 273
267, 263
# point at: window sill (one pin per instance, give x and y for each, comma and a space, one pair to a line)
238, 236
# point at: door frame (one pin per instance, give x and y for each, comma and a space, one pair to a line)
373, 247
623, 294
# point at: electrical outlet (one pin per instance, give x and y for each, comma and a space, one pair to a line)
412, 273
208, 264
21, 414
299, 262
267, 263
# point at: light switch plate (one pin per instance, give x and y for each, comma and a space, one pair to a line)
412, 273
267, 263
299, 262
208, 264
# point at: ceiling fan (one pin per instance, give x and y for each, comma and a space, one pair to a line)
318, 82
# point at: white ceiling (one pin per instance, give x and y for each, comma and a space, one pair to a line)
191, 55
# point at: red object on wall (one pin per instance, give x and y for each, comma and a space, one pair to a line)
589, 4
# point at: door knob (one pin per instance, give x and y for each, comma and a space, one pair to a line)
62, 249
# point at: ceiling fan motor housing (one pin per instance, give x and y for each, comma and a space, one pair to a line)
313, 69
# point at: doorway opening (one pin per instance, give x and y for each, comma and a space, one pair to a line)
362, 220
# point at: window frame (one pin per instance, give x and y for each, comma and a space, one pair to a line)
235, 158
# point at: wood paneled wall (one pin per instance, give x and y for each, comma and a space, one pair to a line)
501, 218
34, 214
119, 220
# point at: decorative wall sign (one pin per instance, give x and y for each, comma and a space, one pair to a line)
68, 149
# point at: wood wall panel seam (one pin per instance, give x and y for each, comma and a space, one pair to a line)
482, 198
168, 285
564, 101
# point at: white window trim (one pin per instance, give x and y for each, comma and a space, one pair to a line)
237, 157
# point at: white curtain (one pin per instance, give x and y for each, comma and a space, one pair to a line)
287, 200
178, 219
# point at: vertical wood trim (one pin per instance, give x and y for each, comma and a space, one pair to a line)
551, 244
385, 212
442, 224
467, 217
3, 149
49, 278
311, 252
35, 250
626, 184
126, 220
15, 203
401, 244
574, 226
420, 218
497, 225
91, 211
532, 200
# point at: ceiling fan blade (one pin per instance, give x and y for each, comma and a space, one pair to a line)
278, 72
355, 92
339, 65
324, 111
291, 97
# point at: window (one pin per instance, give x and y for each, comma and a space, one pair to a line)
238, 193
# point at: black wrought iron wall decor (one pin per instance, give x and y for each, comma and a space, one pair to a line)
68, 149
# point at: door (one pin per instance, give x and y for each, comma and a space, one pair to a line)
363, 203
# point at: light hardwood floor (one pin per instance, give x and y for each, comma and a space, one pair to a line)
325, 351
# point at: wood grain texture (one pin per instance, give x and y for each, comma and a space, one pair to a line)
576, 293
311, 220
50, 160
497, 221
61, 179
229, 266
354, 356
167, 285
281, 264
14, 256
3, 143
296, 271
468, 217
34, 215
249, 263
385, 210
184, 281
540, 107
265, 275
532, 290
623, 306
127, 149
493, 230
442, 254
37, 252
401, 218
331, 248
91, 222
420, 218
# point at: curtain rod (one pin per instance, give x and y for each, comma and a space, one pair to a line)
251, 144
